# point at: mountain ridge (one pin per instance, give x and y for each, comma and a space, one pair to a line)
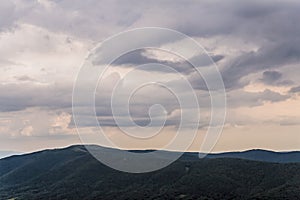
72, 173
251, 154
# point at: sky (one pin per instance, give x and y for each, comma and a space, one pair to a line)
255, 45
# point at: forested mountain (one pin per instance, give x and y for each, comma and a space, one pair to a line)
72, 173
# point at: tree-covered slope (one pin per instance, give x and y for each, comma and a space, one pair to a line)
72, 173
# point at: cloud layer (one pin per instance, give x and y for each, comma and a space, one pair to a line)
256, 45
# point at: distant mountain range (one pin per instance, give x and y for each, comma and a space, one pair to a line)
261, 155
255, 154
72, 173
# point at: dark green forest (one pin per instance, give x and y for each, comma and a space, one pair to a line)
72, 173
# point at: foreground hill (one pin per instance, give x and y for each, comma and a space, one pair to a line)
72, 173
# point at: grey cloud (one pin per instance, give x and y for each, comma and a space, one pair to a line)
139, 57
139, 111
271, 25
7, 18
24, 78
289, 121
256, 9
217, 58
271, 76
15, 97
274, 78
138, 121
139, 103
89, 19
204, 18
295, 89
197, 82
248, 19
267, 57
238, 98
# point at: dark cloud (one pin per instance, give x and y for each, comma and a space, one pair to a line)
24, 78
270, 77
274, 78
239, 98
136, 57
269, 56
139, 57
295, 89
271, 25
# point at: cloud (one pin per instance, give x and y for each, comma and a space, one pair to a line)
7, 19
258, 37
35, 122
295, 89
16, 97
240, 98
274, 78
271, 76
140, 57
258, 22
24, 78
267, 57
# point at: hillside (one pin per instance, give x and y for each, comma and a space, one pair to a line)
71, 173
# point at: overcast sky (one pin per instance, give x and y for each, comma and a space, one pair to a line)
255, 44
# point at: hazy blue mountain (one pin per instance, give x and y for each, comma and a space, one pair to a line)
261, 155
256, 155
72, 173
